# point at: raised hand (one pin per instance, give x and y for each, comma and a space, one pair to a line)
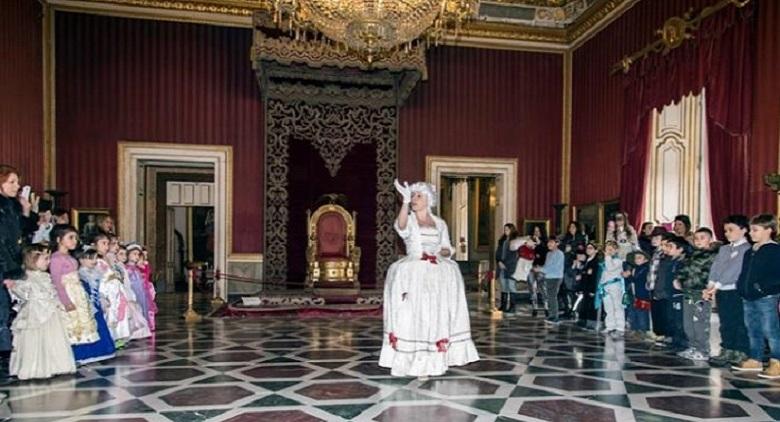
406, 193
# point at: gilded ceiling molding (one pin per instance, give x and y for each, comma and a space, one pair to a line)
593, 17
480, 33
674, 33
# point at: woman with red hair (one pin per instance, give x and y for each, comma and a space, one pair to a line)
16, 219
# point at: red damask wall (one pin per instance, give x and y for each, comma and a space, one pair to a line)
139, 80
21, 89
490, 103
126, 79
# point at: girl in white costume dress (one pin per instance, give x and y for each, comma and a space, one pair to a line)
426, 319
41, 347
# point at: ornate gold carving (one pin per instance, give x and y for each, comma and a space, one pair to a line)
675, 31
332, 270
317, 54
594, 16
226, 7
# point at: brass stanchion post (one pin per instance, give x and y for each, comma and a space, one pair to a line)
217, 301
191, 316
494, 312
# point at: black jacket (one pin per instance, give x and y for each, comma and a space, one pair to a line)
760, 274
13, 227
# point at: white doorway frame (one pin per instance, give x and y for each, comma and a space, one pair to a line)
132, 155
503, 169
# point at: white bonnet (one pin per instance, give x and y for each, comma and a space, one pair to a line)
428, 189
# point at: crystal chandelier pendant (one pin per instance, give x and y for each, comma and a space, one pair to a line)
373, 28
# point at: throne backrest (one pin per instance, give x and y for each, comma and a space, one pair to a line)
331, 235
331, 232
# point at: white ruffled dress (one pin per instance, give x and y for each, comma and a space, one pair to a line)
428, 330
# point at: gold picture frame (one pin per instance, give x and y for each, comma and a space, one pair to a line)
529, 224
85, 220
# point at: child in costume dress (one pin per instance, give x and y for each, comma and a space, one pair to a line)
112, 294
148, 287
90, 278
139, 327
40, 345
81, 326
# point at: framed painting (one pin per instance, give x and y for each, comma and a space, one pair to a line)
529, 225
85, 220
588, 217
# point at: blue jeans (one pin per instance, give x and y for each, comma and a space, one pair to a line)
638, 320
762, 322
508, 284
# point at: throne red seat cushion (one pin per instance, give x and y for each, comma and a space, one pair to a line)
332, 236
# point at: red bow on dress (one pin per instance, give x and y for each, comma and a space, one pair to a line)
429, 258
441, 345
393, 341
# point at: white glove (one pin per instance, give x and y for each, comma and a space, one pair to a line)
406, 193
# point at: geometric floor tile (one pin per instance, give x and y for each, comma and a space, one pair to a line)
424, 413
697, 407
338, 391
326, 369
571, 383
163, 374
460, 387
279, 371
278, 415
59, 400
676, 380
566, 411
205, 396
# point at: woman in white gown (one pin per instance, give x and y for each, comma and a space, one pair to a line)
426, 319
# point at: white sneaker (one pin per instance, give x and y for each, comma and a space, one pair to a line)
686, 354
699, 356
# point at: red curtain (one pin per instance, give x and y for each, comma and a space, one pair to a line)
719, 59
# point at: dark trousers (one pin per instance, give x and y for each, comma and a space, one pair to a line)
5, 317
732, 321
674, 322
658, 310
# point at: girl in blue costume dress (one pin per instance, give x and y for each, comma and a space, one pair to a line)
90, 278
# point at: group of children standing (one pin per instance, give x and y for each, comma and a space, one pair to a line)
78, 305
661, 286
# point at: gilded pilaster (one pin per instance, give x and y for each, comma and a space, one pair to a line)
49, 100
566, 133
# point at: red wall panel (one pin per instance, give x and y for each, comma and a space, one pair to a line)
21, 89
126, 79
490, 103
766, 110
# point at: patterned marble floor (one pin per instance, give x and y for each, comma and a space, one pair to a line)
326, 370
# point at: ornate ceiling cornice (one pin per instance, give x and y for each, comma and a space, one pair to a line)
485, 31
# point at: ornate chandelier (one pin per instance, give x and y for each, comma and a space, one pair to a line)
373, 27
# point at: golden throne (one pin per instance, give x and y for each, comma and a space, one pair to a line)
332, 258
